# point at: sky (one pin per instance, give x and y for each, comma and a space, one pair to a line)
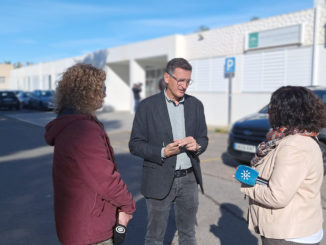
45, 30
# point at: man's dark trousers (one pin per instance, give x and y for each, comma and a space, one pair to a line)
184, 195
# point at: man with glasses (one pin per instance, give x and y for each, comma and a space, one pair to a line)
169, 132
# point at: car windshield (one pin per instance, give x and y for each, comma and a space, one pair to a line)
7, 94
320, 93
264, 110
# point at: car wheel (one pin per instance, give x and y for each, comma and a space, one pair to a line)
323, 151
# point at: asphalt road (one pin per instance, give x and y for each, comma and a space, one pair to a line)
26, 215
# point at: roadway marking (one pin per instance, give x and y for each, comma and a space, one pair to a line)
210, 159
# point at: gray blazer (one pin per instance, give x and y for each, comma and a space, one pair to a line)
152, 130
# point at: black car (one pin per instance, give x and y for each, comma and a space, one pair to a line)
41, 99
23, 98
247, 133
8, 100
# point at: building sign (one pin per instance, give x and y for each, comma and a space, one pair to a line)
274, 37
253, 40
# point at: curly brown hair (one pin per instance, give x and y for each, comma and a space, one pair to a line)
81, 89
296, 107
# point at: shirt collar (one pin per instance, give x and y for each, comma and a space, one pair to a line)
169, 100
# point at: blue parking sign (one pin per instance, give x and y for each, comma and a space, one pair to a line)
229, 67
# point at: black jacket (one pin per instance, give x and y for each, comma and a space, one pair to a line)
152, 130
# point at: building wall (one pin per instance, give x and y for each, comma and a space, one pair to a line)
231, 39
164, 46
118, 92
5, 70
258, 72
40, 76
321, 76
293, 63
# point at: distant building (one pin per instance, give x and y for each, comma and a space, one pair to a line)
288, 49
5, 70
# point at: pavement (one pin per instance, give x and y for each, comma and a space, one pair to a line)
222, 209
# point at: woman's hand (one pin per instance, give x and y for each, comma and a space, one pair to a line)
124, 218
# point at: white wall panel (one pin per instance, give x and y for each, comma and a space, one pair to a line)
252, 72
269, 70
208, 75
299, 66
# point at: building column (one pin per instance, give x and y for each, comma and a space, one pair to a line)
137, 75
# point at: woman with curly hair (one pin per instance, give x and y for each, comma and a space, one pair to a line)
288, 210
89, 195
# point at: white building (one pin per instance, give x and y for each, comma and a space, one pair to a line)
282, 50
5, 71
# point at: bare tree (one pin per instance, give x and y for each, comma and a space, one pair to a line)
203, 28
254, 18
18, 64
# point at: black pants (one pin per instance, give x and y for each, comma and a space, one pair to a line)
270, 241
184, 195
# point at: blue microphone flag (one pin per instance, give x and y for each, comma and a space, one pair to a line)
249, 176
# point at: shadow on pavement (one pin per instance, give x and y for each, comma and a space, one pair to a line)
26, 198
26, 202
227, 160
130, 168
232, 228
24, 130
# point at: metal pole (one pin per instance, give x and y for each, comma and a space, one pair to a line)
230, 100
314, 53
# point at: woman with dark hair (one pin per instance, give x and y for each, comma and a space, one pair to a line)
288, 210
89, 195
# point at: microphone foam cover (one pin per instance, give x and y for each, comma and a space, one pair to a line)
246, 175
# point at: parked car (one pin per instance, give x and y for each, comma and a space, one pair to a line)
42, 99
16, 91
23, 98
9, 100
248, 132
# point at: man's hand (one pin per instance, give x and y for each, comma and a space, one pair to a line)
124, 218
172, 149
189, 143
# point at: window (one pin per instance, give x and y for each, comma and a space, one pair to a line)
321, 94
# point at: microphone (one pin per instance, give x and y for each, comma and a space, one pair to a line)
119, 234
249, 176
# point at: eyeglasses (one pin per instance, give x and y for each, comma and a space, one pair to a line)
185, 81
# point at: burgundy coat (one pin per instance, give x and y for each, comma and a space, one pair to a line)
88, 189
